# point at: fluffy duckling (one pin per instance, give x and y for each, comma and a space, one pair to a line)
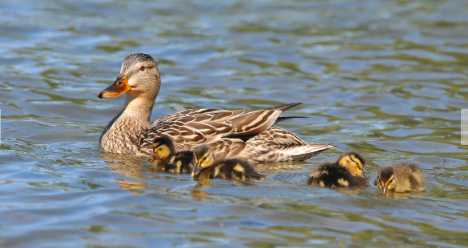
181, 162
346, 172
163, 150
203, 158
168, 160
230, 169
402, 178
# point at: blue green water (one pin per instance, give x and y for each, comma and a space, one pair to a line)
386, 79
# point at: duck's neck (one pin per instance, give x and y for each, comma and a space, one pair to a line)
123, 132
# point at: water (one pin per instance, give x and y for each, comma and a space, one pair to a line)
384, 78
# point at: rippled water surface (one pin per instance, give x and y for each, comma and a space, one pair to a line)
384, 78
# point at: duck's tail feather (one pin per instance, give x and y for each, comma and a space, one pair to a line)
284, 118
273, 154
304, 152
287, 106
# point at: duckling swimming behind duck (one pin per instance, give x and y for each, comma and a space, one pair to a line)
163, 149
168, 160
402, 178
181, 162
346, 172
230, 169
207, 168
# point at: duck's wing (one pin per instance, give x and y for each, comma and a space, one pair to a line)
280, 145
226, 148
270, 146
199, 126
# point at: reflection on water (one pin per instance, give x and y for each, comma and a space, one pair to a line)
384, 78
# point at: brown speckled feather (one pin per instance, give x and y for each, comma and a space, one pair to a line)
220, 129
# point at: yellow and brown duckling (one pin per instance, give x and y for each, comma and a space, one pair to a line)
207, 168
401, 178
346, 172
203, 158
230, 169
181, 162
168, 160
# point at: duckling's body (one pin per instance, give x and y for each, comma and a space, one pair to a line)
402, 178
346, 172
181, 162
231, 169
168, 160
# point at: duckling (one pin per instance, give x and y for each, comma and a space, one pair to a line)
230, 169
203, 158
163, 150
346, 172
168, 160
401, 178
181, 162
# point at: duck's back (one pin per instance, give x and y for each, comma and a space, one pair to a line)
231, 133
199, 126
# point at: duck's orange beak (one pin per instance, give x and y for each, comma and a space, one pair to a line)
118, 88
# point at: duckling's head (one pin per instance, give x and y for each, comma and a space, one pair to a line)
353, 162
385, 181
163, 148
139, 75
203, 158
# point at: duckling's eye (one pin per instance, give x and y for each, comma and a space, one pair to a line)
142, 68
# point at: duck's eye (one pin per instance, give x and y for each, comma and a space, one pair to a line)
142, 68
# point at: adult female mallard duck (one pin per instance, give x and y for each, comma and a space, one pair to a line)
245, 134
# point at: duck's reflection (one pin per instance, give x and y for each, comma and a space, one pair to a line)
197, 192
131, 167
135, 172
268, 168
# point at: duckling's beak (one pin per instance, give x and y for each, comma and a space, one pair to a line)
118, 88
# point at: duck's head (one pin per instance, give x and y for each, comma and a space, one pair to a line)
353, 162
385, 181
203, 158
139, 75
163, 148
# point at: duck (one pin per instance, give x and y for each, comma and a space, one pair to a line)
230, 133
167, 160
400, 178
346, 172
